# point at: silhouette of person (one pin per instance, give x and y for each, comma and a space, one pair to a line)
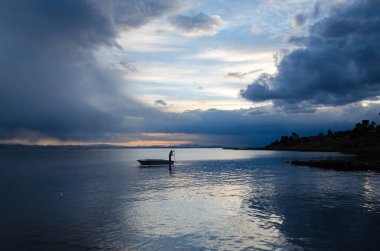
171, 153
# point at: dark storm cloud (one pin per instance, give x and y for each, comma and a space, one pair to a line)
199, 23
49, 79
317, 9
258, 126
51, 85
337, 65
297, 40
299, 19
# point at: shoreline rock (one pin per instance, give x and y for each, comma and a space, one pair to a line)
341, 164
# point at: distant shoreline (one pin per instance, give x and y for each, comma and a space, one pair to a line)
363, 159
91, 147
282, 149
360, 161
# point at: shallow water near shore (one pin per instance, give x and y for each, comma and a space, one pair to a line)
213, 199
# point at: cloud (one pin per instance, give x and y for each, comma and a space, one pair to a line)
258, 126
296, 40
317, 9
242, 74
127, 66
53, 89
50, 80
160, 102
135, 13
299, 20
244, 127
200, 24
337, 64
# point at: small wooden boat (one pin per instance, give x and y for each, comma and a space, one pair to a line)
158, 162
155, 162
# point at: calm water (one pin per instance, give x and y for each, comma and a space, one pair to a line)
213, 199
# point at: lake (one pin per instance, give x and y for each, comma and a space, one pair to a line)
213, 199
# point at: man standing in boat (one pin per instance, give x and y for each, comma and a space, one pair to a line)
171, 153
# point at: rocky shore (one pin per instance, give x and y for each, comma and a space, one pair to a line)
341, 164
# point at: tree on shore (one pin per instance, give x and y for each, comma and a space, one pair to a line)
365, 135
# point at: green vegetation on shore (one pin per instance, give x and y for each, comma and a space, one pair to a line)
363, 139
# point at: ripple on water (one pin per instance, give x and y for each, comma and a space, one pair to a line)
240, 200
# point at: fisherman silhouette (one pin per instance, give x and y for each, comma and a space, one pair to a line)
171, 153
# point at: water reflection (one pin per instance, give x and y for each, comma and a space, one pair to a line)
250, 204
256, 201
368, 192
326, 213
218, 208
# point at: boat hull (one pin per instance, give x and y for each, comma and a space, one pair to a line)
155, 162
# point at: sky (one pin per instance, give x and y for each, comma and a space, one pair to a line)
173, 72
